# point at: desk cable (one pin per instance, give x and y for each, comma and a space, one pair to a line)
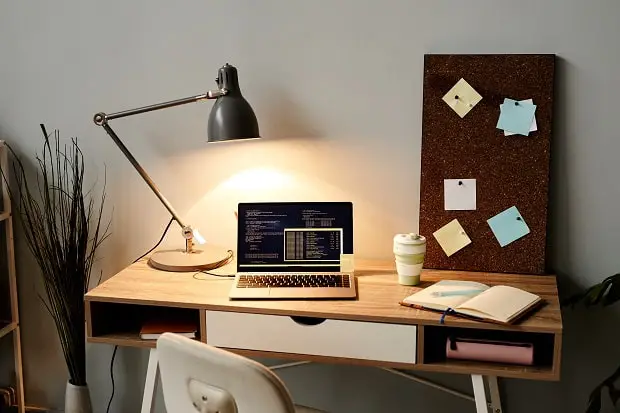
112, 378
158, 242
161, 239
215, 266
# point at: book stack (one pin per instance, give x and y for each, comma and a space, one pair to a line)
153, 329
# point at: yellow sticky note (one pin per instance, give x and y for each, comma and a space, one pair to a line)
452, 237
347, 264
462, 98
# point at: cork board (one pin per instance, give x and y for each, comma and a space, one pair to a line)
509, 171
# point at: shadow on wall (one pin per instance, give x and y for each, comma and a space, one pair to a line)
589, 355
559, 232
286, 118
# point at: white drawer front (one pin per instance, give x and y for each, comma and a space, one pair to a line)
335, 338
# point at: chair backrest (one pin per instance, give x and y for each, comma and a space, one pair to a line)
202, 378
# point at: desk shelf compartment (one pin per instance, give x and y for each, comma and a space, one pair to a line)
434, 352
392, 343
114, 323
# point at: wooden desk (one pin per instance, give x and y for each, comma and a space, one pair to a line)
117, 308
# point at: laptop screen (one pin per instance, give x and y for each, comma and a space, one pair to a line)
293, 236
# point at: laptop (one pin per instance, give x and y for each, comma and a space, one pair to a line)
293, 250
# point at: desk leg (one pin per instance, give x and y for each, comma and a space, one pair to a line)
496, 402
479, 393
150, 384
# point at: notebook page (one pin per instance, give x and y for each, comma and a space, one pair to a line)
500, 302
446, 294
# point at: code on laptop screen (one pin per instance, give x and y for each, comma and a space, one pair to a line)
294, 236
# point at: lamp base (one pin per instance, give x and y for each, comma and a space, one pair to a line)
177, 260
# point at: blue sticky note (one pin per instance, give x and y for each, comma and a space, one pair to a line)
516, 117
508, 226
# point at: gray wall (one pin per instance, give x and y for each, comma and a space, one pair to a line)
337, 88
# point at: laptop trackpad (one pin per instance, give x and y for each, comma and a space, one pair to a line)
260, 292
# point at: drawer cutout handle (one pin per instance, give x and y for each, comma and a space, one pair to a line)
307, 321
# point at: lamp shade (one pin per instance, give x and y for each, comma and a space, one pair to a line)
232, 116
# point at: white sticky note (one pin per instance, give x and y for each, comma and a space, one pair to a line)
347, 263
452, 237
534, 126
459, 194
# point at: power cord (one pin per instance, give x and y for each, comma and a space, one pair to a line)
158, 242
196, 275
215, 266
161, 239
112, 378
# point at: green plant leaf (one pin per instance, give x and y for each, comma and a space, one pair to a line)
596, 293
614, 394
606, 292
594, 403
613, 294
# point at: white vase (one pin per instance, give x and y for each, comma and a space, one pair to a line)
77, 399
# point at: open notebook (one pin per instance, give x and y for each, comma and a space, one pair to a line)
500, 304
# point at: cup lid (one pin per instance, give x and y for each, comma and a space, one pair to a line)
409, 239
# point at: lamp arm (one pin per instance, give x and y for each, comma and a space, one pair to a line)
102, 119
143, 174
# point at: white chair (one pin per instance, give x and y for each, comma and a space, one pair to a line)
199, 377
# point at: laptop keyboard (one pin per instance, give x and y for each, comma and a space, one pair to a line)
294, 280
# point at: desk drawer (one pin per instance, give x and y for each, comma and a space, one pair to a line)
333, 338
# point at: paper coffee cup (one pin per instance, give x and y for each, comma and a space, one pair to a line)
409, 251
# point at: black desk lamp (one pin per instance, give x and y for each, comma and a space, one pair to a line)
231, 118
